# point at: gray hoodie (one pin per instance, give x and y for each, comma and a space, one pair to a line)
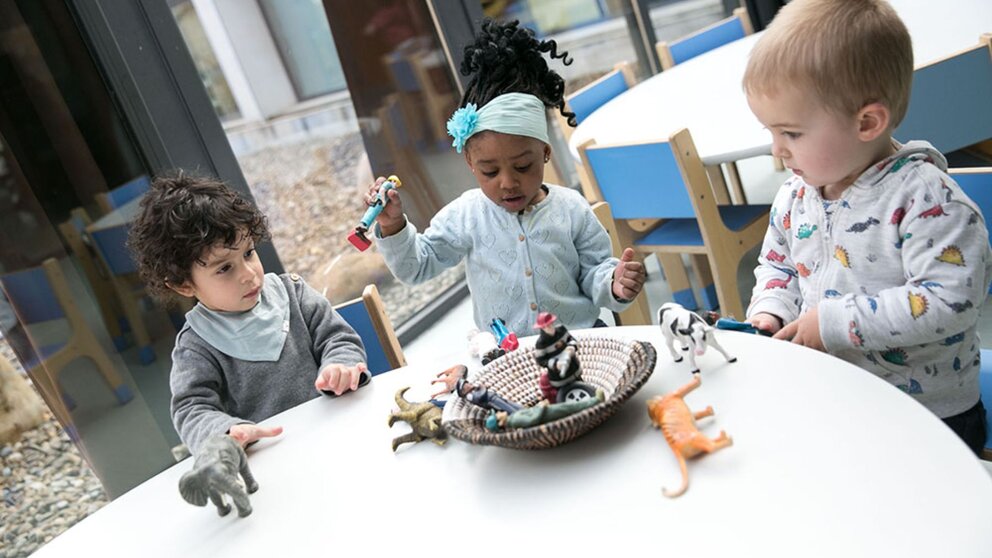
898, 268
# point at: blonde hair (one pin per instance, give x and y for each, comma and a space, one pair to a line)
849, 53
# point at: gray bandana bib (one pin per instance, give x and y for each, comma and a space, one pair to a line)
256, 335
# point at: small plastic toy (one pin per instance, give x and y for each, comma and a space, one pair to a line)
733, 325
217, 465
357, 237
693, 333
507, 339
423, 418
541, 413
454, 380
483, 344
556, 349
678, 424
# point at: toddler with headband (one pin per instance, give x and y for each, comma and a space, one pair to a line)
529, 246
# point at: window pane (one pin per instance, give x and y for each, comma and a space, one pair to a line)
304, 39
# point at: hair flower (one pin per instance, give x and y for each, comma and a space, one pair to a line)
462, 124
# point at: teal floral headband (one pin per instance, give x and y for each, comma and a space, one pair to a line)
519, 114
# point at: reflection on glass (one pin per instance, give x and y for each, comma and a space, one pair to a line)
674, 19
205, 60
300, 29
71, 315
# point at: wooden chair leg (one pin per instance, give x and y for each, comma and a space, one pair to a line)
724, 268
142, 339
678, 280
701, 265
779, 165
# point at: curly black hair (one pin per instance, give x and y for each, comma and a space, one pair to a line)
507, 58
182, 216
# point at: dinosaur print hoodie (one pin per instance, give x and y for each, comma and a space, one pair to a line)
898, 268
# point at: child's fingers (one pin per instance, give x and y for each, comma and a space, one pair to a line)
267, 431
628, 255
356, 376
787, 332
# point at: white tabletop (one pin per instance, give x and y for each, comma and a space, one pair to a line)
827, 460
704, 94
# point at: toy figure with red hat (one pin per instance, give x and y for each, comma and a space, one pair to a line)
557, 350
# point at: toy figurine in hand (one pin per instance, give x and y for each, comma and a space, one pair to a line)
454, 380
357, 237
678, 424
483, 344
557, 350
218, 462
541, 413
693, 333
424, 418
506, 338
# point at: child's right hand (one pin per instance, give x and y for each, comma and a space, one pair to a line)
766, 322
391, 219
248, 433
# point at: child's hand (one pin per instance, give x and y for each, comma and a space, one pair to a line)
339, 378
628, 277
804, 331
248, 433
766, 322
391, 220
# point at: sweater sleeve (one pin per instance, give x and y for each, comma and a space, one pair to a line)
596, 265
334, 341
945, 254
197, 409
418, 257
776, 290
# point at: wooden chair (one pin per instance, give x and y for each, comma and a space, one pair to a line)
666, 180
367, 315
40, 295
950, 103
73, 231
718, 34
123, 194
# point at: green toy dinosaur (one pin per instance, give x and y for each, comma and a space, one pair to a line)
424, 418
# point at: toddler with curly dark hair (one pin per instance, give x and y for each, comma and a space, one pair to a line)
255, 344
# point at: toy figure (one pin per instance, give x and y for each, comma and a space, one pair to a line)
423, 418
691, 330
215, 471
483, 344
556, 350
454, 379
541, 413
734, 325
507, 339
357, 237
678, 424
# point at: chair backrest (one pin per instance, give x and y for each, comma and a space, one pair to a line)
977, 185
129, 190
585, 101
718, 34
367, 316
111, 244
31, 295
985, 386
639, 181
951, 102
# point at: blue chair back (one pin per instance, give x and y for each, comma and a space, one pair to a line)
586, 101
112, 244
726, 31
129, 190
985, 385
951, 102
357, 316
641, 181
31, 295
977, 185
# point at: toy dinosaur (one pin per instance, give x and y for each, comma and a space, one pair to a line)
678, 424
218, 462
424, 418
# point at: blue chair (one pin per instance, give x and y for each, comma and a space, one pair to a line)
950, 103
985, 384
977, 185
720, 33
367, 316
585, 101
666, 180
124, 193
41, 294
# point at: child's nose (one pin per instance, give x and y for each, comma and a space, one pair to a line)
778, 150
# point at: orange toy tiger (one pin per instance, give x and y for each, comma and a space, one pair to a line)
678, 424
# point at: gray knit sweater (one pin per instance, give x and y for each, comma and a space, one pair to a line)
212, 391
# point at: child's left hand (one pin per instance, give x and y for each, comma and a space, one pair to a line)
338, 378
804, 331
628, 277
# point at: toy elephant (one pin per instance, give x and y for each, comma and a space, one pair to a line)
218, 463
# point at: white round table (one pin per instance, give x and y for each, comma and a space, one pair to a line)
827, 460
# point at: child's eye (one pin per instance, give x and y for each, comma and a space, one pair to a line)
523, 168
223, 269
490, 174
249, 253
791, 135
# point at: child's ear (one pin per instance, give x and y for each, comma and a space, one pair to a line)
873, 121
185, 289
547, 153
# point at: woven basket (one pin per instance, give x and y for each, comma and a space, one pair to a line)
619, 366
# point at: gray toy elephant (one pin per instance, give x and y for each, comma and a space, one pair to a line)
215, 473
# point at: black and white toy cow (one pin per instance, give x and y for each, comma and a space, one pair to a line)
695, 335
